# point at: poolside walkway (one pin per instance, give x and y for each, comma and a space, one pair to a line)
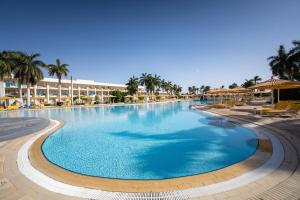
13, 185
21, 126
283, 183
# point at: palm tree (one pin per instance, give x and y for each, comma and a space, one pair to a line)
132, 85
194, 89
9, 61
281, 64
6, 67
233, 85
28, 71
169, 87
190, 89
295, 59
206, 89
177, 89
248, 83
151, 83
156, 82
295, 51
144, 81
201, 88
164, 85
59, 70
256, 79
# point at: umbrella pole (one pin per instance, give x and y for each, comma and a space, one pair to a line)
272, 93
278, 95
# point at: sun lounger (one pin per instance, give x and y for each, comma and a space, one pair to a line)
221, 105
292, 109
282, 105
10, 107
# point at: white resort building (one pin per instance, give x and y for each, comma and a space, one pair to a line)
47, 90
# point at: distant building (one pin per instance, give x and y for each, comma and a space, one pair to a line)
47, 90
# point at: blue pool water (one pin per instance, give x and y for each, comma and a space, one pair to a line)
155, 141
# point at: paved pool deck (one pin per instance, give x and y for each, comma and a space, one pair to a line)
11, 128
283, 183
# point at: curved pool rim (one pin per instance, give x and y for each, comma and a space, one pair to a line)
103, 177
156, 179
47, 182
98, 186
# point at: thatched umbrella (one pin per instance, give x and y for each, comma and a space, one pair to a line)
85, 97
276, 84
128, 96
221, 92
39, 97
240, 90
5, 98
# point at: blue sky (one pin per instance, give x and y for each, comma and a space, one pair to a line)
191, 42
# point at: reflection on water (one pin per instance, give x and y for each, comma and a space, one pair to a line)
220, 122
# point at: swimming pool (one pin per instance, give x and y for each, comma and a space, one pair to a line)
153, 141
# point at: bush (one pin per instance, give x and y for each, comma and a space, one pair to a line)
97, 99
141, 98
119, 96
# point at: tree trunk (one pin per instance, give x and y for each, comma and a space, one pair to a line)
20, 94
59, 93
290, 76
28, 96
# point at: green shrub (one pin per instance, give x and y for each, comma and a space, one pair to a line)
119, 96
97, 99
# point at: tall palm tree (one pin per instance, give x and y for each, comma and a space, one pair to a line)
150, 82
295, 51
206, 89
193, 89
132, 85
197, 90
164, 85
256, 79
169, 87
59, 70
295, 59
144, 81
177, 89
28, 71
6, 67
281, 64
156, 82
190, 89
9, 61
202, 88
